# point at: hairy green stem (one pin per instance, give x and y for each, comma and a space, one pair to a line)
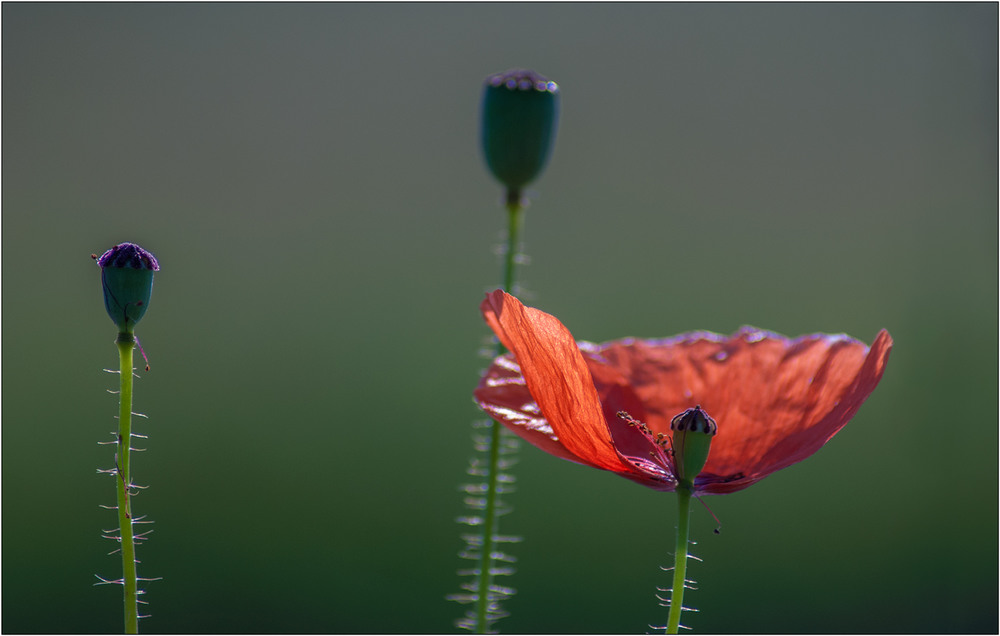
515, 216
126, 342
680, 559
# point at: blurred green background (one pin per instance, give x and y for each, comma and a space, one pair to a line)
309, 177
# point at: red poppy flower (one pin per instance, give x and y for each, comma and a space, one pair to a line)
776, 400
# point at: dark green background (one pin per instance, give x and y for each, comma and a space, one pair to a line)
309, 177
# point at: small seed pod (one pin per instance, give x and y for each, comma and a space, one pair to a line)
127, 278
692, 433
520, 113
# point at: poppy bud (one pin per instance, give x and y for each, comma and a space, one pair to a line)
127, 277
520, 110
693, 431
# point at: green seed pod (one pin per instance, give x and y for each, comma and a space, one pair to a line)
520, 113
692, 437
127, 278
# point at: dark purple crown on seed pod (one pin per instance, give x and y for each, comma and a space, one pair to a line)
127, 279
128, 255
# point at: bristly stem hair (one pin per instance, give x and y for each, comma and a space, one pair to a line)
124, 535
496, 444
680, 560
123, 481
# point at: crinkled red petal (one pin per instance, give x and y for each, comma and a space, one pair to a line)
556, 375
504, 396
776, 400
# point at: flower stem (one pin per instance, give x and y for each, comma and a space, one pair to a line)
515, 216
515, 219
126, 342
680, 559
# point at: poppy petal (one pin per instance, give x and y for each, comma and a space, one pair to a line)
504, 396
642, 460
776, 400
557, 376
840, 381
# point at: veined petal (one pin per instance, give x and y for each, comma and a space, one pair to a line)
776, 400
504, 396
556, 376
642, 460
841, 377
